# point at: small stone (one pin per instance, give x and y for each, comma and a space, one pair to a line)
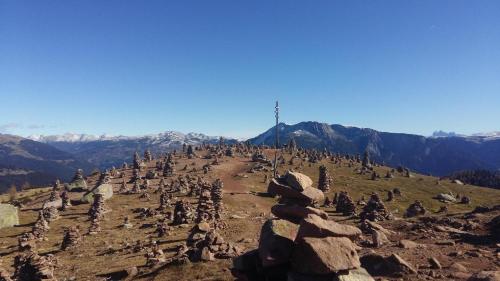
435, 264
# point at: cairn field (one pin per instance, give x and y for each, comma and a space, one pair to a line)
246, 209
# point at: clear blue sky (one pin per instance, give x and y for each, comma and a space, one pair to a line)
216, 67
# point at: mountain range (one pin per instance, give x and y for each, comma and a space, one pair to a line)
40, 159
430, 155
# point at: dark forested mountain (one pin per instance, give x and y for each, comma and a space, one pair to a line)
27, 161
436, 156
478, 177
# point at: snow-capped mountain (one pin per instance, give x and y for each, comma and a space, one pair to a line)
105, 151
483, 136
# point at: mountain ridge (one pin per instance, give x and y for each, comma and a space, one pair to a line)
438, 156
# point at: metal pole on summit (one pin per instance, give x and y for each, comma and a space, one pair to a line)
276, 111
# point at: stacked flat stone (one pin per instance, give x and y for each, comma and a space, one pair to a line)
136, 176
205, 244
169, 169
71, 239
40, 227
148, 156
162, 228
190, 153
31, 266
415, 209
155, 255
98, 208
137, 161
182, 212
54, 195
345, 204
216, 195
324, 179
26, 242
136, 188
205, 208
164, 201
95, 226
104, 178
295, 189
65, 201
375, 210
51, 213
123, 188
161, 186
229, 152
301, 243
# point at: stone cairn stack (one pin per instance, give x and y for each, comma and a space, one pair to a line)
415, 209
205, 244
123, 188
301, 243
375, 210
26, 242
345, 204
324, 179
136, 176
155, 255
96, 213
137, 161
169, 167
65, 201
205, 209
51, 213
148, 157
31, 266
41, 227
71, 239
216, 195
183, 212
165, 201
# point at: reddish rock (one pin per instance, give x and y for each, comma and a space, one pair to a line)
276, 242
324, 255
296, 213
315, 226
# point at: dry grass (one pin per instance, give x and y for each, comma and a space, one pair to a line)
246, 211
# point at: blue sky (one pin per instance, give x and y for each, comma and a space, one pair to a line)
216, 67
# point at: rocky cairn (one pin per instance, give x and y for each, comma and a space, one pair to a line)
301, 243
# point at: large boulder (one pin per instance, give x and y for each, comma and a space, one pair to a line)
315, 226
306, 197
8, 215
445, 197
77, 185
276, 242
56, 203
324, 255
296, 213
298, 181
105, 189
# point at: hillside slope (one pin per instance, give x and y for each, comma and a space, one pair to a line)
23, 160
